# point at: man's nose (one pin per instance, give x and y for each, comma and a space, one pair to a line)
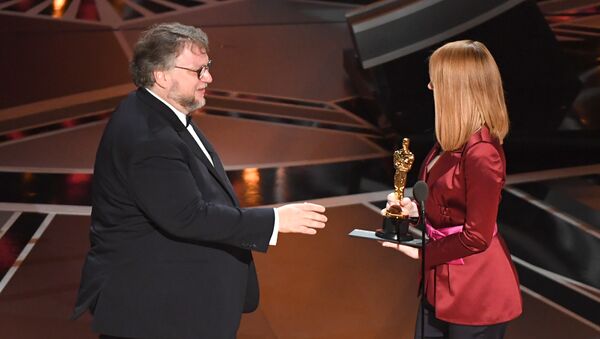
207, 77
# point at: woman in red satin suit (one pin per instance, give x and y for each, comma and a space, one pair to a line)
472, 288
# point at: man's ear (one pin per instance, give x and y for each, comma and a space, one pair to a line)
161, 78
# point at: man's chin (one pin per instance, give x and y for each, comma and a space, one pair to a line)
195, 105
201, 102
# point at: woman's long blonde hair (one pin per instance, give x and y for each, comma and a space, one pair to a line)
468, 94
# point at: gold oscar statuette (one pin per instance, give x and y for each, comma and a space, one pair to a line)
395, 224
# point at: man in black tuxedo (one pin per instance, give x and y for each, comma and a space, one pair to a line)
170, 253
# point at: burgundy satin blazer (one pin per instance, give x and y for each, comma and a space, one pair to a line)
464, 189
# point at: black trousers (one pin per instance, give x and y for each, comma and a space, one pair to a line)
435, 328
104, 336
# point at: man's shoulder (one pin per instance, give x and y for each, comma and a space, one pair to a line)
132, 101
137, 111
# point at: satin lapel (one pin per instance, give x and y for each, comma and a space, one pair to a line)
444, 164
423, 170
451, 159
224, 177
189, 140
218, 168
169, 116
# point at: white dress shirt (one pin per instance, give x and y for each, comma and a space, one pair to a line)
182, 117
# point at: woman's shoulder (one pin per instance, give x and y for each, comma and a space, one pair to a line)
484, 136
482, 145
485, 156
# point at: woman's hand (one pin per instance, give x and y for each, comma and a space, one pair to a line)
404, 206
411, 252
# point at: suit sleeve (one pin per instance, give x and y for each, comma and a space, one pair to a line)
484, 178
167, 193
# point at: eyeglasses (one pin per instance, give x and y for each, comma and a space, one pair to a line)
201, 71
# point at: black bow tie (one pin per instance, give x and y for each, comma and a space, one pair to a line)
188, 120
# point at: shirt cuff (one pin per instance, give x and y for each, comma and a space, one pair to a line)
273, 240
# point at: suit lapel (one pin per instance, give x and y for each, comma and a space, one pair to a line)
169, 116
423, 170
448, 160
444, 164
218, 170
189, 140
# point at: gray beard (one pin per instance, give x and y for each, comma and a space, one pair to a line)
190, 103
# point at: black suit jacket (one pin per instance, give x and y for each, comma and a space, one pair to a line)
170, 246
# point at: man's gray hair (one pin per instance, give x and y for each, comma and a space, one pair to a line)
158, 47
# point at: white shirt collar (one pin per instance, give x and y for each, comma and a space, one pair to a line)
179, 114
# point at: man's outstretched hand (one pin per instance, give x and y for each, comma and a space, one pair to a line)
303, 218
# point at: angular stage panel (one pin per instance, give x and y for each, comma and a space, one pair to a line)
324, 286
4, 217
48, 59
240, 143
282, 48
247, 142
69, 150
541, 320
333, 286
39, 298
